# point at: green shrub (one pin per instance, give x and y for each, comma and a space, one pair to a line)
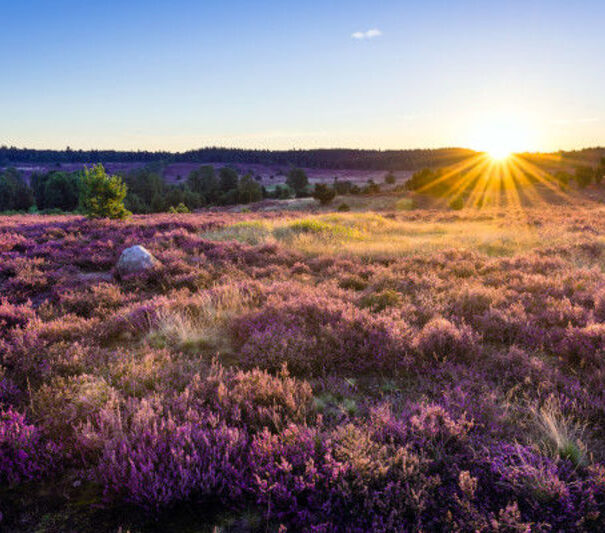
181, 208
204, 182
344, 207
354, 282
101, 195
379, 301
323, 194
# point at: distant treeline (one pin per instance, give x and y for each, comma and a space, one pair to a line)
320, 158
145, 191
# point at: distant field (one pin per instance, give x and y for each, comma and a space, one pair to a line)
176, 172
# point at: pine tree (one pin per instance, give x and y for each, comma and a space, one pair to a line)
101, 195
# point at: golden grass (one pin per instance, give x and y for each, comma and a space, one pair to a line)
373, 235
559, 436
201, 325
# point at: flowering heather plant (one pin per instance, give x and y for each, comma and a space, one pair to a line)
13, 316
442, 338
314, 334
24, 453
158, 459
254, 399
321, 385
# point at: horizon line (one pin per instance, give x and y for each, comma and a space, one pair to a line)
293, 149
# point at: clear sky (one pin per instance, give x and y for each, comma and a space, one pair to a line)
184, 74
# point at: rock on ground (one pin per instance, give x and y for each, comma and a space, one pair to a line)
135, 259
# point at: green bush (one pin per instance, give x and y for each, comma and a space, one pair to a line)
145, 183
101, 195
283, 192
379, 301
354, 282
180, 209
323, 193
344, 207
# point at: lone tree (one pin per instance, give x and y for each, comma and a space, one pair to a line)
297, 179
101, 195
323, 193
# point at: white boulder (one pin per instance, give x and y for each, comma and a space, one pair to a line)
135, 259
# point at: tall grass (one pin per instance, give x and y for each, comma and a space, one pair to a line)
373, 235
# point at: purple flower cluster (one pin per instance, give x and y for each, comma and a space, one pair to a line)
449, 391
314, 334
24, 453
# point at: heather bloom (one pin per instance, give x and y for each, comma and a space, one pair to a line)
24, 453
316, 335
444, 390
159, 461
442, 338
14, 316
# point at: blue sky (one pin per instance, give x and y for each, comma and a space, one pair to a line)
282, 74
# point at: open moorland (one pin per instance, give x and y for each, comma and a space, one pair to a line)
421, 370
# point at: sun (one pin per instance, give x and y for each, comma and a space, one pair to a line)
500, 141
501, 137
499, 153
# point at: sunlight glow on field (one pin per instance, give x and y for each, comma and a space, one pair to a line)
499, 178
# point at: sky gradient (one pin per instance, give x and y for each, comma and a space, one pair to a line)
283, 74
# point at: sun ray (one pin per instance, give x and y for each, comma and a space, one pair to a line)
457, 187
450, 172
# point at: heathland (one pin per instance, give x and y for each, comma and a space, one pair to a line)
421, 369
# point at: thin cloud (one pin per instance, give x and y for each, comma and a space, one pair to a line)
370, 34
